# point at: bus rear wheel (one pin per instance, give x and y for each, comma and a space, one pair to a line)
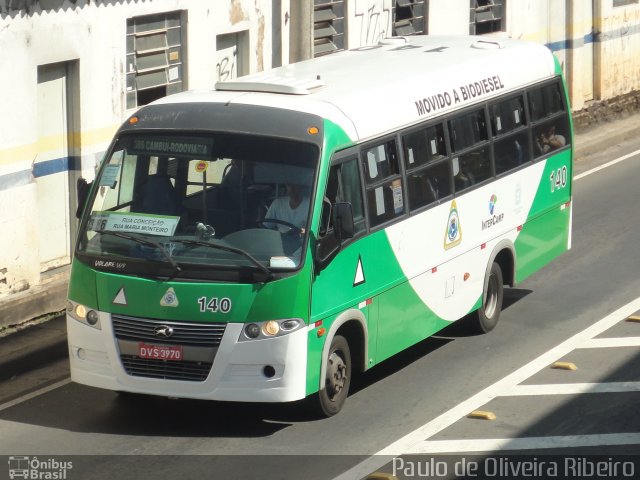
337, 379
486, 317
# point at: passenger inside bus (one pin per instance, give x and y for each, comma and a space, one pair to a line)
548, 140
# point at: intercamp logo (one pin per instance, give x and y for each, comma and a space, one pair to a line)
495, 217
37, 469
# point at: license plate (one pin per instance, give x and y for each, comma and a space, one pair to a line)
160, 352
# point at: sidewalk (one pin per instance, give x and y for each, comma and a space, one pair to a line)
45, 340
37, 301
603, 137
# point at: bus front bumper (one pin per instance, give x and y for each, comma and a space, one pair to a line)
266, 370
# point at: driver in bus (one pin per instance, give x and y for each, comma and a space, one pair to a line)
292, 208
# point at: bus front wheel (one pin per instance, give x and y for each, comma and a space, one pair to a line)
337, 379
486, 317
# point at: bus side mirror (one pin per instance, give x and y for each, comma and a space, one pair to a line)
83, 187
329, 244
343, 221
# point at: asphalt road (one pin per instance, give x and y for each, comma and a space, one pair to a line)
415, 403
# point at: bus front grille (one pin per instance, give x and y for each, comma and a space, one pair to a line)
198, 343
144, 329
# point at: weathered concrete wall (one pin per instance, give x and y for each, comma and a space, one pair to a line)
618, 50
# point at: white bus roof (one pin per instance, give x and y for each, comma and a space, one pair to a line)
399, 82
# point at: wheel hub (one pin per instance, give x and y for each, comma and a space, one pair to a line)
336, 375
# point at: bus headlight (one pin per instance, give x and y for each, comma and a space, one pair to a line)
289, 325
252, 330
83, 314
92, 317
270, 329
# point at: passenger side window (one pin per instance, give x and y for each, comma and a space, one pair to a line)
428, 185
511, 144
467, 130
385, 195
424, 146
469, 140
551, 125
511, 151
428, 172
545, 101
507, 116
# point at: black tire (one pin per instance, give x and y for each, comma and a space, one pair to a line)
486, 317
331, 398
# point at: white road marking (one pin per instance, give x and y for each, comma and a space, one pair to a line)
37, 393
502, 387
606, 165
611, 342
530, 443
574, 388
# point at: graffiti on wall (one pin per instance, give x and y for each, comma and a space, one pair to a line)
374, 20
226, 68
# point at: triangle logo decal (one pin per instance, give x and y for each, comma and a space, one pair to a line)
121, 298
359, 277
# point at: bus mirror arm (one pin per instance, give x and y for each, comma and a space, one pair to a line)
343, 221
83, 187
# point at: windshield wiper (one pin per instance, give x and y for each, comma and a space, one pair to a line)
238, 251
147, 242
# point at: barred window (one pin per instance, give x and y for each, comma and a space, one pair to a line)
328, 27
155, 56
487, 16
409, 17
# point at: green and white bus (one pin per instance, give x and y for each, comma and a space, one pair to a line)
421, 175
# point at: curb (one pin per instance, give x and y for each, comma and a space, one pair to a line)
37, 301
33, 347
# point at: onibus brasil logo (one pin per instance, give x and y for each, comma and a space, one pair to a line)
35, 468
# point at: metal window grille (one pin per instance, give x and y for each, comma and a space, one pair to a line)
487, 16
409, 17
328, 26
154, 57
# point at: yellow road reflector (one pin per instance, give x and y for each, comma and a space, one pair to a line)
381, 476
564, 366
633, 318
482, 415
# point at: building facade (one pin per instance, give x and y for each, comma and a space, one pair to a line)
73, 70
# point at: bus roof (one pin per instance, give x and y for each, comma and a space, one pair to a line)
399, 82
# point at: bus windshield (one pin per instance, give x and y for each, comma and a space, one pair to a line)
193, 202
